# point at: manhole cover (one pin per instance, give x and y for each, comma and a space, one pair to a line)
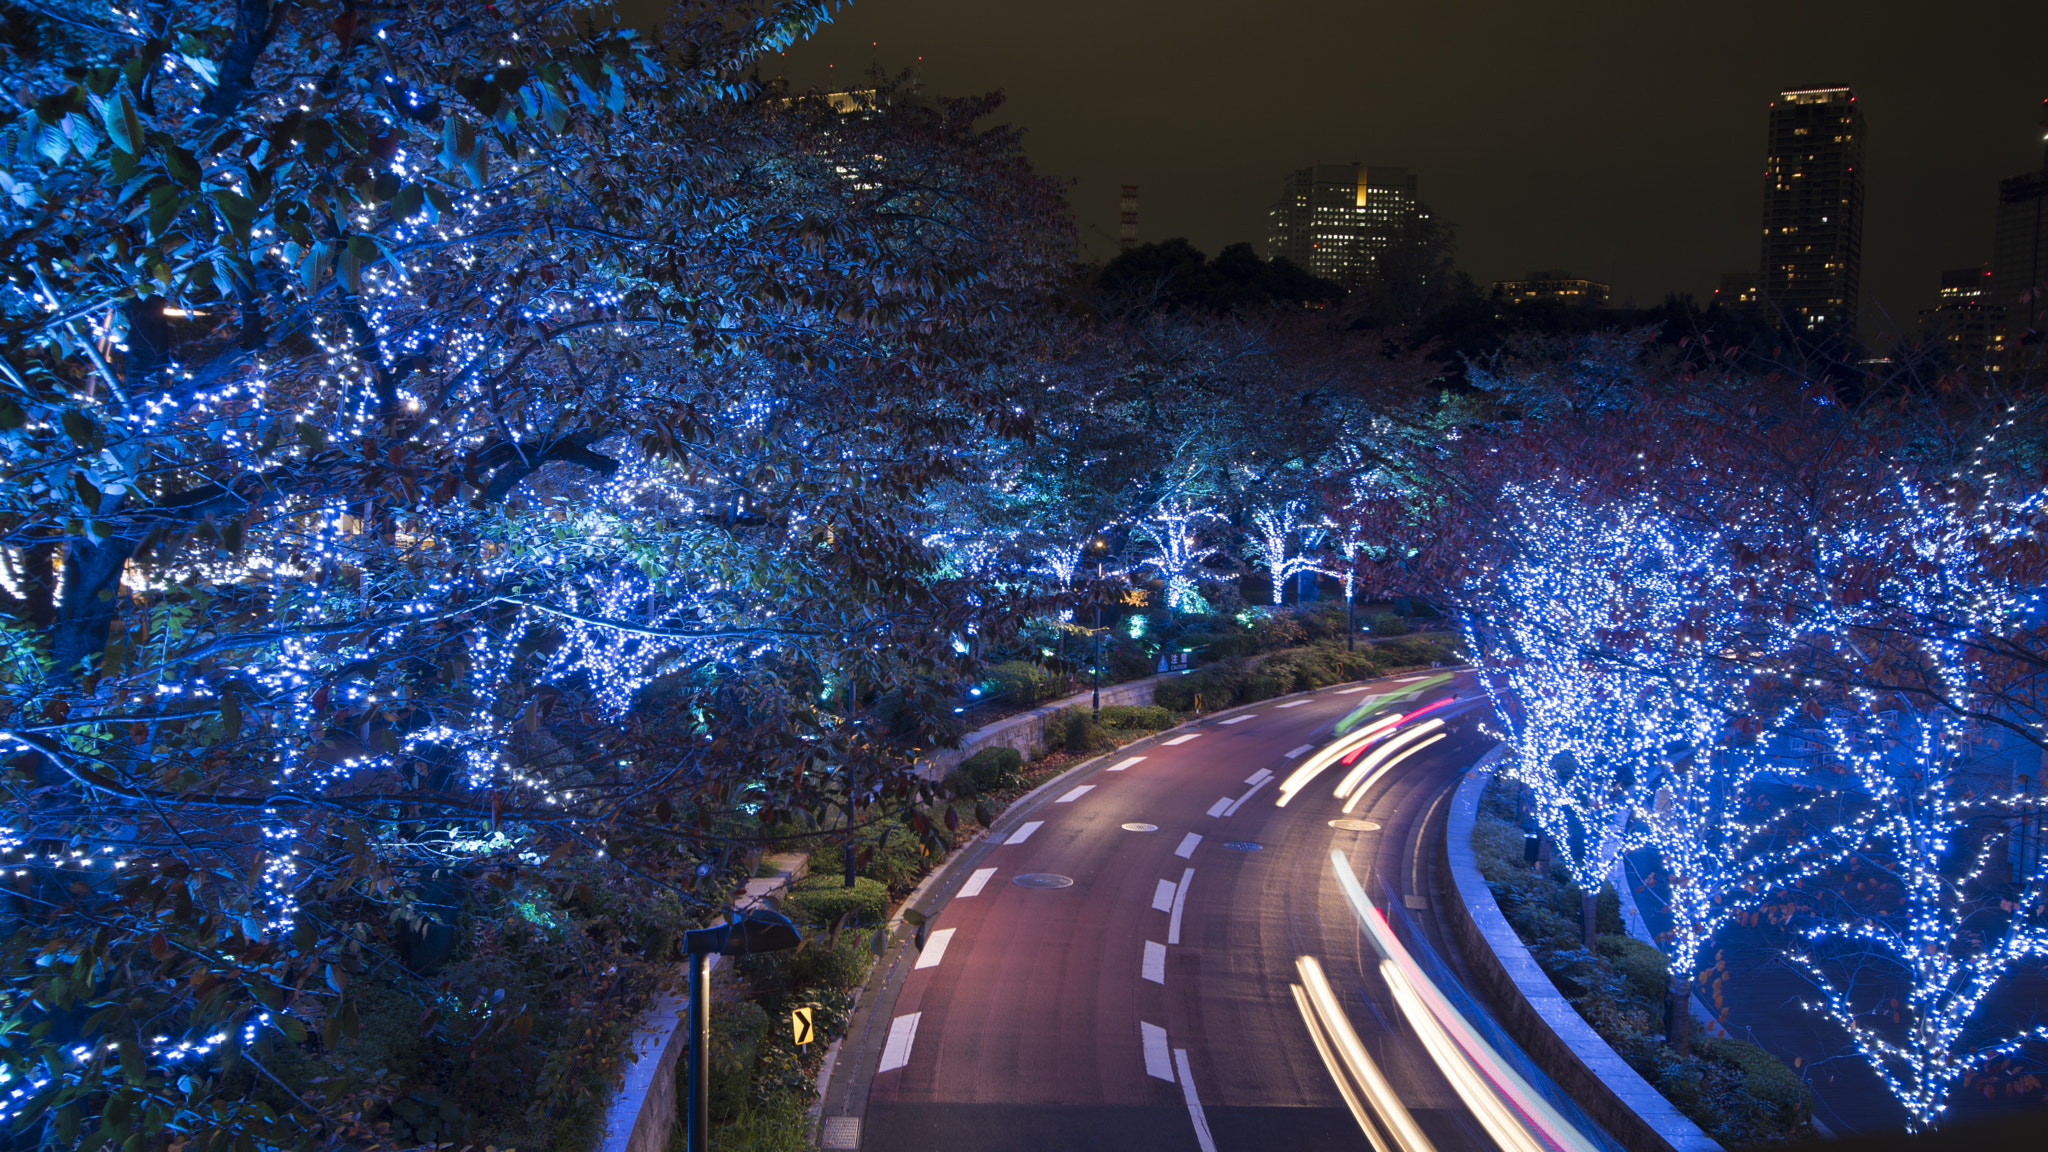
1355, 825
1243, 846
1141, 827
1043, 880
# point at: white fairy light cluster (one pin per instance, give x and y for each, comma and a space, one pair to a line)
1175, 528
1285, 542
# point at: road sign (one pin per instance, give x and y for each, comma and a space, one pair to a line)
800, 1024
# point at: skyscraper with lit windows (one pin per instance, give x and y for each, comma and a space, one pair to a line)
1336, 219
2019, 253
1813, 210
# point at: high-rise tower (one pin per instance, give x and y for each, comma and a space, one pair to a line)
1813, 210
2019, 251
1336, 219
1127, 219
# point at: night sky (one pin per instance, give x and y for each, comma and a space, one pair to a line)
1620, 141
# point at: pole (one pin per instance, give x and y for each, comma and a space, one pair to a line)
697, 1137
1098, 640
1350, 616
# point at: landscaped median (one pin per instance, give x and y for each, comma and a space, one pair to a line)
1593, 1018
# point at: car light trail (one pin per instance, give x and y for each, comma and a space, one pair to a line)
1379, 754
1389, 766
1342, 1052
1514, 1114
1316, 764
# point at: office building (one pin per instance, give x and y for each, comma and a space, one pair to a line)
1737, 290
1336, 219
2019, 250
1964, 320
1127, 219
1813, 210
1552, 285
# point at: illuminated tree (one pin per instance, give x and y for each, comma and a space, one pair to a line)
1284, 543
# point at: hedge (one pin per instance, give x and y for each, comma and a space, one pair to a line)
823, 902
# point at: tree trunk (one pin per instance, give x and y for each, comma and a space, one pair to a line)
1678, 1013
1589, 907
1543, 857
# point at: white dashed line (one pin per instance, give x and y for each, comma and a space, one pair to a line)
1162, 897
1123, 764
1024, 833
1178, 740
1186, 851
1187, 1087
1240, 719
1158, 1062
1259, 777
1300, 750
1180, 903
1218, 807
1076, 794
1239, 802
976, 882
902, 1034
1154, 967
1349, 691
934, 949
1294, 704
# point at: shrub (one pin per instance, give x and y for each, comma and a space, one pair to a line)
992, 768
1388, 624
1260, 687
1764, 1076
1076, 730
822, 963
823, 901
1025, 683
1643, 965
1127, 664
737, 1030
1402, 653
1150, 717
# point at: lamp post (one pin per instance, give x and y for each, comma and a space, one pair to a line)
1099, 544
749, 932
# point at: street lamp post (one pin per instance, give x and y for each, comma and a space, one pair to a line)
749, 932
1099, 546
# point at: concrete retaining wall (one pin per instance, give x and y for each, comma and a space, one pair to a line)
1538, 1016
1026, 730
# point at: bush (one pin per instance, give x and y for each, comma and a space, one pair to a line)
1024, 684
1388, 624
822, 902
737, 1031
1764, 1076
1408, 653
1258, 688
1076, 730
993, 768
1150, 717
821, 963
1643, 965
1127, 664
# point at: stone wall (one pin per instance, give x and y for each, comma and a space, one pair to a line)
1026, 730
1537, 1015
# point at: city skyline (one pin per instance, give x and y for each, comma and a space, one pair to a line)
1624, 149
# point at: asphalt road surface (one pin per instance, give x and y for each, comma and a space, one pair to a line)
1147, 1004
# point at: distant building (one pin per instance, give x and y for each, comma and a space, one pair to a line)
1127, 219
1737, 289
1813, 209
1336, 219
1551, 285
2019, 250
1965, 320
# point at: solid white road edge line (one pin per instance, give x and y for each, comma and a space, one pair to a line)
1217, 808
1075, 794
1180, 903
934, 949
1124, 763
1187, 1087
975, 883
1024, 832
1178, 740
1186, 851
1154, 967
1300, 750
902, 1034
1158, 1063
1232, 810
1162, 897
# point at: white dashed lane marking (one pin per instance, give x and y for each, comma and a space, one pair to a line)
1154, 967
1259, 777
1219, 807
1300, 750
1186, 851
1126, 763
1241, 719
1076, 794
1024, 833
976, 882
934, 949
1158, 1062
902, 1034
1162, 897
1294, 704
1178, 740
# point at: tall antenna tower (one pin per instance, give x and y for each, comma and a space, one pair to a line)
1127, 227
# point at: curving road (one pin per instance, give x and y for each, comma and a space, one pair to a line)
1150, 1003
